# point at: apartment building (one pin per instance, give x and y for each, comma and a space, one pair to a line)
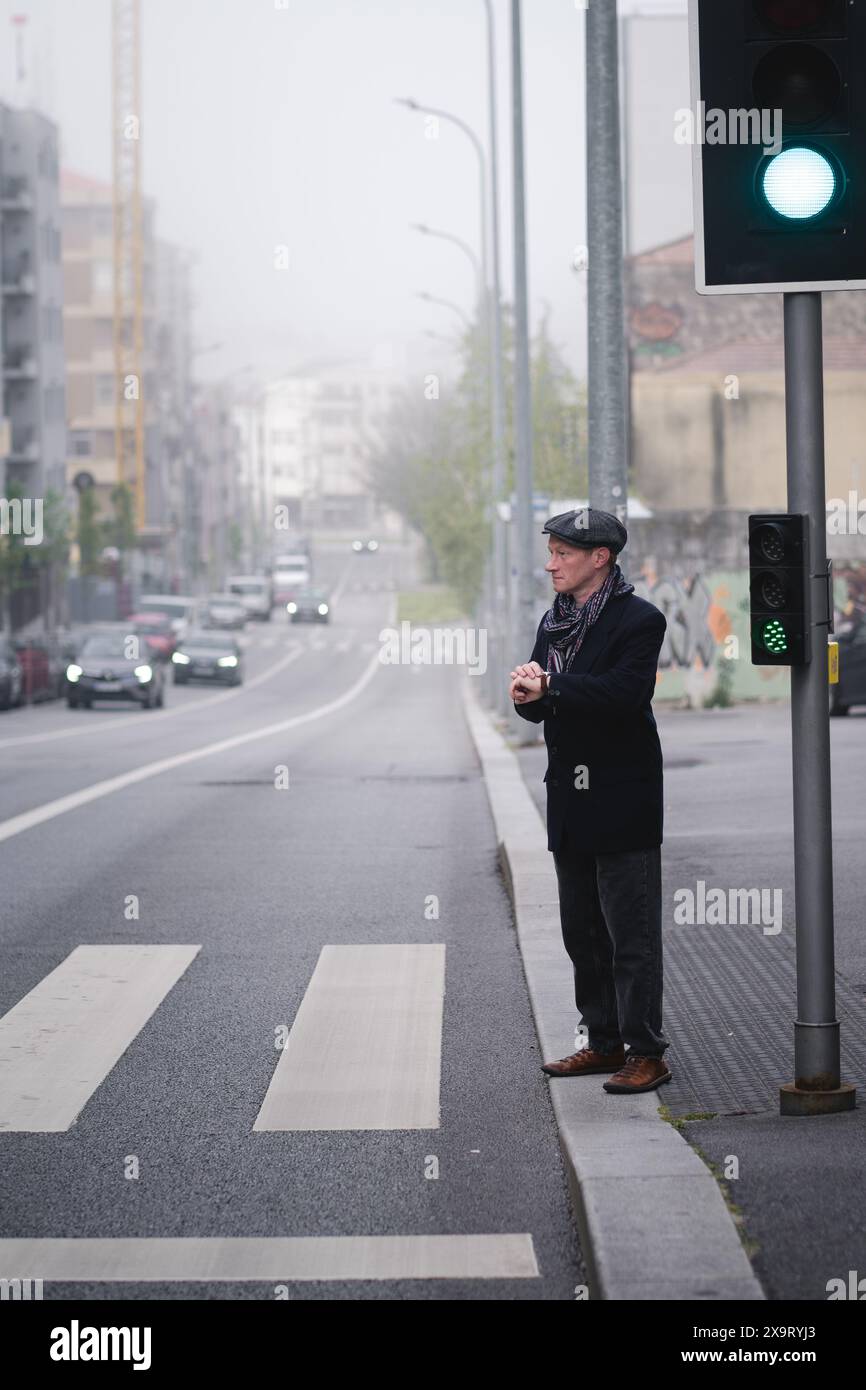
88, 278
33, 436
317, 430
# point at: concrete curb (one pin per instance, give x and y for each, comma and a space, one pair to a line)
652, 1220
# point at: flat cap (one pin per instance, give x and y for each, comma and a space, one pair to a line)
588, 528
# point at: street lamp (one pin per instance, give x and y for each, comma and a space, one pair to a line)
446, 303
464, 247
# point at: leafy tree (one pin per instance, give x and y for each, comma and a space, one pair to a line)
432, 461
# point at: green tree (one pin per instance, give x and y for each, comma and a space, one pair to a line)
15, 558
432, 461
88, 535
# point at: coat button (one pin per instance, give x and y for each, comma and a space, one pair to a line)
554, 782
553, 748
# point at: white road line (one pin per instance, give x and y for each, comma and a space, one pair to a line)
58, 1044
341, 583
27, 819
273, 1259
365, 1048
159, 716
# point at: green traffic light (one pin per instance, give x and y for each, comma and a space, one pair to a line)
799, 183
774, 637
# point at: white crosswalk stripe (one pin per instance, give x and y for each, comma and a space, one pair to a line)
365, 1049
62, 1039
275, 1258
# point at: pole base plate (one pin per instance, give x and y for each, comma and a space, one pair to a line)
795, 1100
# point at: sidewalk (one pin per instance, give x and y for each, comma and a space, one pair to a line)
730, 989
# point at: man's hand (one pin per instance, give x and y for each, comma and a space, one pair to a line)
526, 683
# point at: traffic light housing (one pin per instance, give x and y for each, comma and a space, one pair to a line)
779, 589
779, 209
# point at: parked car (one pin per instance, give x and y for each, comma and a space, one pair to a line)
103, 671
254, 592
157, 634
851, 687
42, 667
223, 610
208, 655
309, 606
11, 680
367, 546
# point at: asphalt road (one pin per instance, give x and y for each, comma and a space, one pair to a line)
384, 808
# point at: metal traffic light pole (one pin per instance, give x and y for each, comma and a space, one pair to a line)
816, 1088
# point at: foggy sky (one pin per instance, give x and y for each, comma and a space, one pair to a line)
265, 126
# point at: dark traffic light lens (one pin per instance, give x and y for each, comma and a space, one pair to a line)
799, 79
789, 16
773, 591
771, 544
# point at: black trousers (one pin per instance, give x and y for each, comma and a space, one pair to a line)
611, 915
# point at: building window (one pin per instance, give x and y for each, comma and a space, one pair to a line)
80, 443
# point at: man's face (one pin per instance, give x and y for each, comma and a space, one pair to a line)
572, 567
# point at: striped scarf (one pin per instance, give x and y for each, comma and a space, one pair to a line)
566, 624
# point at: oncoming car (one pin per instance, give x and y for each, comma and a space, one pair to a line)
207, 655
309, 606
103, 670
360, 546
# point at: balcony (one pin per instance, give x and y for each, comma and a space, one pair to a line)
25, 446
19, 364
17, 276
15, 196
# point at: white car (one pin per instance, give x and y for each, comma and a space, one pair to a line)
254, 592
179, 608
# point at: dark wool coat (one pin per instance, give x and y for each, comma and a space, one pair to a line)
598, 717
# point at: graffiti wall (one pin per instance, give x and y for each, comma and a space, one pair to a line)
707, 637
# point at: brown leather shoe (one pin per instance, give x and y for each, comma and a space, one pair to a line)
639, 1074
586, 1062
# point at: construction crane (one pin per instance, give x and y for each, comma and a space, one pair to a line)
128, 308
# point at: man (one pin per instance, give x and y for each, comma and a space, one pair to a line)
591, 681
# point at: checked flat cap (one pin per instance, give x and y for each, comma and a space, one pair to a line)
588, 528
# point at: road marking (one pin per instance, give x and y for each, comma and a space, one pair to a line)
58, 1044
341, 584
39, 814
365, 1048
159, 716
276, 1258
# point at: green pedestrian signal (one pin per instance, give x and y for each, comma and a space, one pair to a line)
774, 637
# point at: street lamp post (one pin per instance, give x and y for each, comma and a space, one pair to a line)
489, 585
447, 304
502, 640
464, 247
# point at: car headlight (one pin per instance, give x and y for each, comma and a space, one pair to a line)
291, 608
181, 658
372, 545
323, 608
73, 672
227, 661
357, 545
143, 674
